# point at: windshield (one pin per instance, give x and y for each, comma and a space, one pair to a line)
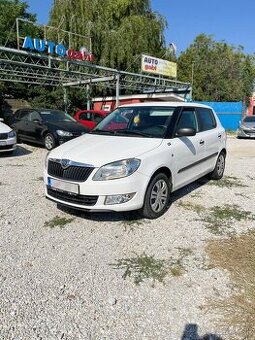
250, 119
141, 121
56, 116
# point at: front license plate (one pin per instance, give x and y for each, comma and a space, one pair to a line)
63, 186
3, 143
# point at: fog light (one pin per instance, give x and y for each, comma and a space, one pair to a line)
118, 199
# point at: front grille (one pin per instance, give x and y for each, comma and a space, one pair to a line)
3, 136
72, 173
73, 198
6, 147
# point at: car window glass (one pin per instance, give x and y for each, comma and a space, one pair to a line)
24, 115
206, 120
86, 116
97, 117
56, 116
187, 120
250, 119
34, 115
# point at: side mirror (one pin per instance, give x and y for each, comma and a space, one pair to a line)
186, 132
37, 121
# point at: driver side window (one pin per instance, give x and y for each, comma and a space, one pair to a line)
34, 115
187, 120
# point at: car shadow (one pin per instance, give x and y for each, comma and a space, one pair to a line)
20, 151
129, 215
191, 333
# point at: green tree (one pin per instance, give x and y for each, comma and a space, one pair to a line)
121, 30
9, 11
221, 72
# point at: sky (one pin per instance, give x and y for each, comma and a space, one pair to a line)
227, 20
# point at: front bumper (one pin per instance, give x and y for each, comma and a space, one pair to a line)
8, 144
92, 194
246, 133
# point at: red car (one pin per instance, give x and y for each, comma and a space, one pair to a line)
90, 118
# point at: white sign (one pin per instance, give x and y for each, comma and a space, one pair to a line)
159, 66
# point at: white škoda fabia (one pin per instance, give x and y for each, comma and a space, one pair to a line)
136, 157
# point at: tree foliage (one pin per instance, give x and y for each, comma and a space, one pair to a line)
9, 11
121, 30
220, 72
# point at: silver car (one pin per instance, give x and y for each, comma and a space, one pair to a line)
247, 127
7, 138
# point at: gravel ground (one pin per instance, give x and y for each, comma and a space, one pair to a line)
66, 282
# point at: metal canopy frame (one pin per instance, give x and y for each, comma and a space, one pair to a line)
37, 69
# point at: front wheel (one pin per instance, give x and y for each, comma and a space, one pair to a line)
219, 167
49, 141
157, 197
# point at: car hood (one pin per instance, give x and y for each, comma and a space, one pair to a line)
98, 150
4, 128
248, 124
67, 126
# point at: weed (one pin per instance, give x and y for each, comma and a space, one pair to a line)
242, 195
198, 208
131, 225
237, 255
142, 267
15, 165
39, 179
251, 178
58, 221
220, 219
228, 182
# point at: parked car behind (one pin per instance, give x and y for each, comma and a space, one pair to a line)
90, 118
7, 138
247, 127
46, 126
160, 148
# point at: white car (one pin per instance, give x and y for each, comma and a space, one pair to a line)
136, 157
7, 138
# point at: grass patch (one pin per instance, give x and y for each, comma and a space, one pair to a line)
220, 219
198, 208
39, 179
58, 221
228, 182
237, 256
131, 225
143, 267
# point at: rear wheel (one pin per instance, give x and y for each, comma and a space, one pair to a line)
219, 167
157, 197
49, 141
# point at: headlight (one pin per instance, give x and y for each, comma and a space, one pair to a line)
63, 133
118, 169
11, 134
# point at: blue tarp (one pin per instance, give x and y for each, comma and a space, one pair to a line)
229, 113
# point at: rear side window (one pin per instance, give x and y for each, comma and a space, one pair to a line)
206, 119
23, 115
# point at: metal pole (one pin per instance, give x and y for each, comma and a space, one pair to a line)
192, 79
117, 90
17, 30
88, 96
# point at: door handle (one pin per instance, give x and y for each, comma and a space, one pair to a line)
202, 142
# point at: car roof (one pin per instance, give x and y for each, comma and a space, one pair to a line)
172, 104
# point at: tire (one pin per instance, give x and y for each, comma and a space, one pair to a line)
157, 197
49, 141
219, 167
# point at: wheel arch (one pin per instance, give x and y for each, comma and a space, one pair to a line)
165, 170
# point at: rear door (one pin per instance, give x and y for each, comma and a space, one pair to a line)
212, 135
20, 124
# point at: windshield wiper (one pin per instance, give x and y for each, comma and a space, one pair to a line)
104, 132
133, 132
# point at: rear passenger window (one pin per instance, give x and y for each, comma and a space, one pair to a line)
206, 120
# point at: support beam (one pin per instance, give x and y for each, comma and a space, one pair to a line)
89, 81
